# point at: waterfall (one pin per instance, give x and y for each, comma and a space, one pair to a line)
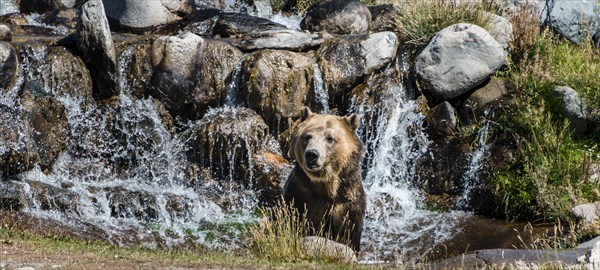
8, 7
397, 228
320, 91
471, 176
231, 99
126, 173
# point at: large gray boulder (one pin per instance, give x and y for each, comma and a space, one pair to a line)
337, 17
191, 74
143, 15
458, 59
344, 61
574, 108
96, 45
571, 19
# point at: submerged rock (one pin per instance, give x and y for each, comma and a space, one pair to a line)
50, 129
17, 148
458, 59
96, 45
337, 17
276, 84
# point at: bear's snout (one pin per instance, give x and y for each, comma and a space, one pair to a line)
311, 158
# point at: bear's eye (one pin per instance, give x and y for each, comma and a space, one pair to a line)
307, 137
330, 139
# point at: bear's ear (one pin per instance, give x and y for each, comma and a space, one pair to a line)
305, 113
353, 120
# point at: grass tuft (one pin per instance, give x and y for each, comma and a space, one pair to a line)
279, 238
419, 21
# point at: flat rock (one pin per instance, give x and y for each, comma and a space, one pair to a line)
531, 258
591, 243
291, 40
238, 24
458, 59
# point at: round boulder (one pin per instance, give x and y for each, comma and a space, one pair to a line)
337, 17
5, 33
458, 59
136, 15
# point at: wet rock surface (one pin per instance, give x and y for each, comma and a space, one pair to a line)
291, 40
95, 43
337, 17
276, 84
236, 24
346, 60
9, 64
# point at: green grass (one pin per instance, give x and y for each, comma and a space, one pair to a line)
419, 21
551, 174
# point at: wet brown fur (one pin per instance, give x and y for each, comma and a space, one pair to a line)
334, 196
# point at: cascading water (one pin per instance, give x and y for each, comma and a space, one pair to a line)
320, 91
471, 176
396, 225
7, 7
127, 173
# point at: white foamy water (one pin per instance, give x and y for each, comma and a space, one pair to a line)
397, 227
471, 176
320, 91
35, 19
127, 176
8, 7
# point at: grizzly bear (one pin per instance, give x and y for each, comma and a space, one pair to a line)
326, 182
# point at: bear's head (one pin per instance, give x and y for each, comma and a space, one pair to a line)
325, 144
